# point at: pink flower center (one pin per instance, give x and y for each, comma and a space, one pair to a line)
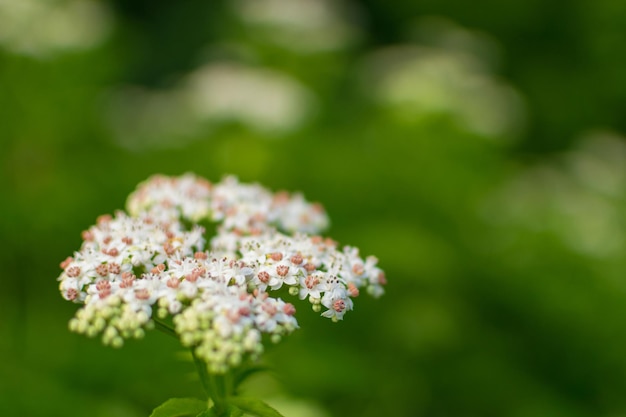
66, 262
289, 309
103, 285
311, 282
104, 288
71, 294
142, 294
269, 309
339, 306
353, 290
264, 277
276, 256
102, 270
73, 272
114, 268
127, 279
281, 197
191, 277
169, 248
105, 218
282, 270
297, 259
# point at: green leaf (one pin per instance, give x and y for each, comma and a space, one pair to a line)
232, 411
207, 413
235, 411
247, 372
178, 407
254, 407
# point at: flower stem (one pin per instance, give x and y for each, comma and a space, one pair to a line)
217, 387
202, 373
164, 327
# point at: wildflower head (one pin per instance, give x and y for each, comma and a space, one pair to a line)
153, 263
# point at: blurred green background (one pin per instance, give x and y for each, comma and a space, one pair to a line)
476, 149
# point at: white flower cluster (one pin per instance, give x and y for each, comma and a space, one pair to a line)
154, 265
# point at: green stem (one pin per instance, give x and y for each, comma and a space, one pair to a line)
203, 373
164, 327
217, 387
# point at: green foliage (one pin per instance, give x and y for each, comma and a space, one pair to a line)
504, 252
207, 413
254, 406
180, 407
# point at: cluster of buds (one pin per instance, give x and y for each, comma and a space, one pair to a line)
155, 264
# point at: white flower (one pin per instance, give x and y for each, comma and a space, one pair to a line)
171, 198
133, 269
44, 29
296, 214
263, 99
312, 286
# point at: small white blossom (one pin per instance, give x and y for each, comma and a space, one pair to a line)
172, 198
153, 264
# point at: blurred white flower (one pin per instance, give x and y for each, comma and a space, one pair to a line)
578, 197
300, 25
44, 27
264, 100
599, 162
448, 75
